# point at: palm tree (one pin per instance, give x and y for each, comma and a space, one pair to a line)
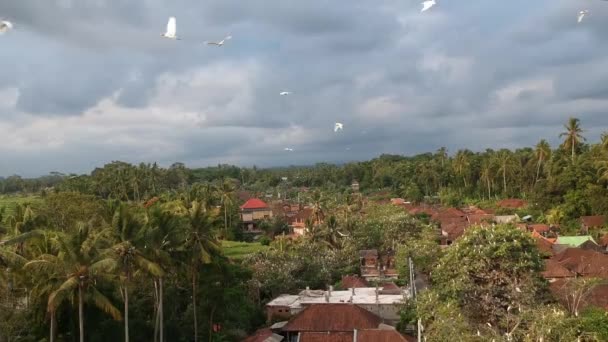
573, 135
200, 246
542, 153
604, 142
73, 263
162, 238
461, 164
318, 207
125, 257
226, 191
506, 165
486, 175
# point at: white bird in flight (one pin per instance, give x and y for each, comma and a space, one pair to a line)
221, 42
582, 15
5, 26
171, 29
283, 93
338, 126
427, 4
288, 149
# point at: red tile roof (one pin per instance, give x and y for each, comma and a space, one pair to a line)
593, 221
553, 269
584, 262
539, 227
353, 281
480, 219
604, 241
254, 203
326, 337
512, 203
377, 335
259, 336
333, 317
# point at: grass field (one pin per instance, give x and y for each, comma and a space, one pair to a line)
238, 250
10, 202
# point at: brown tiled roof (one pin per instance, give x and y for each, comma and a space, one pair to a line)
591, 246
512, 203
604, 241
593, 221
259, 336
454, 230
539, 227
544, 245
353, 281
333, 317
326, 337
553, 269
377, 335
389, 286
479, 219
584, 262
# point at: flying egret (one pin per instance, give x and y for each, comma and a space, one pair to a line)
5, 26
427, 5
171, 29
338, 126
220, 43
288, 149
582, 15
283, 93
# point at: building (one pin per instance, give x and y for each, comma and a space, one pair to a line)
373, 299
592, 222
355, 186
512, 203
252, 212
573, 241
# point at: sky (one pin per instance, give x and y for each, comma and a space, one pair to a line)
86, 82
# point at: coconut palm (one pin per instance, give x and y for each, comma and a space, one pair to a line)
226, 191
161, 234
604, 142
487, 175
200, 247
461, 165
507, 165
72, 263
125, 256
542, 153
573, 135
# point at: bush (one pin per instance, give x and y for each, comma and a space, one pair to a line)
264, 241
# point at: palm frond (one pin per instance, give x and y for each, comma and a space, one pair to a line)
22, 237
59, 295
149, 266
12, 259
104, 304
106, 265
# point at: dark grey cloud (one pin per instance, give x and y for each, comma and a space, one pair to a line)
90, 81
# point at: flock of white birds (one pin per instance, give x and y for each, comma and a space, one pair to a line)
171, 33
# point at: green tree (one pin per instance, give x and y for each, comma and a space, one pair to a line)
76, 254
489, 270
573, 135
542, 153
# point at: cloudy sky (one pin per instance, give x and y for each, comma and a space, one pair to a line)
85, 82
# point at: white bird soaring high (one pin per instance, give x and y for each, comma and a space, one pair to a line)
288, 149
171, 29
427, 5
283, 93
338, 126
5, 26
221, 42
582, 15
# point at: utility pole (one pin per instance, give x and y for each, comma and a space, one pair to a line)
413, 295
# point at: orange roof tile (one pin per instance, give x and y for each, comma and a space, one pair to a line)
254, 203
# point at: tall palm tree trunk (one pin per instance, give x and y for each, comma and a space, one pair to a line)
572, 143
160, 309
194, 306
156, 309
540, 161
81, 312
225, 221
504, 179
126, 313
53, 326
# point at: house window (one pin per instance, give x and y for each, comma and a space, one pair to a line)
362, 262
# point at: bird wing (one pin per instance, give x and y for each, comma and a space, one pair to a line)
213, 43
426, 5
171, 26
6, 24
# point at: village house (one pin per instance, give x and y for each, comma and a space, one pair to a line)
384, 304
374, 266
592, 222
298, 221
252, 212
332, 322
355, 186
512, 203
573, 241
